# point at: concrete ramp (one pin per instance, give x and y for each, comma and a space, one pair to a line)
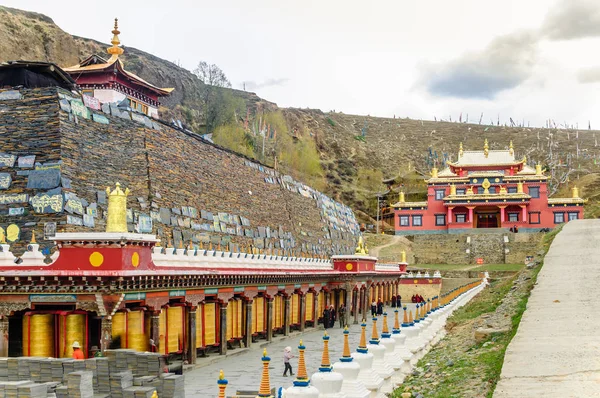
556, 351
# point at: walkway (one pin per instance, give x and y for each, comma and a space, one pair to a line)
556, 351
243, 371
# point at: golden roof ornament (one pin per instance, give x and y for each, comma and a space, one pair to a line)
575, 192
360, 249
460, 151
511, 150
470, 191
486, 186
524, 160
519, 187
401, 197
115, 50
434, 172
503, 190
452, 189
486, 148
538, 170
116, 219
403, 256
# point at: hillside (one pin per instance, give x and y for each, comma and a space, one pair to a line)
348, 169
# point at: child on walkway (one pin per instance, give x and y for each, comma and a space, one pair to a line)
287, 355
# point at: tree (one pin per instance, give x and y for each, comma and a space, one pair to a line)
212, 100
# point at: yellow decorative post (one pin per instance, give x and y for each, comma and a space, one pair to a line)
374, 334
325, 362
265, 383
401, 197
519, 187
385, 331
575, 192
486, 148
32, 237
405, 321
403, 256
538, 169
346, 351
362, 345
396, 328
222, 383
511, 150
116, 220
302, 375
411, 321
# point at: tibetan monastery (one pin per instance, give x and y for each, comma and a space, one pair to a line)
485, 189
107, 81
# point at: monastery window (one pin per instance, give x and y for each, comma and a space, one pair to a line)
534, 192
439, 194
573, 215
461, 218
404, 221
512, 189
559, 218
513, 217
461, 191
440, 219
417, 220
534, 217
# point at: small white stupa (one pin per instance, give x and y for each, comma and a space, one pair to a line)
349, 369
367, 375
401, 352
383, 369
328, 382
301, 387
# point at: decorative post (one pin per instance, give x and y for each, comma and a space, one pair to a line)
287, 319
248, 333
355, 304
192, 335
222, 383
155, 328
223, 328
269, 319
302, 305
265, 383
315, 305
106, 327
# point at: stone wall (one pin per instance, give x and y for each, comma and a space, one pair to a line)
178, 181
493, 247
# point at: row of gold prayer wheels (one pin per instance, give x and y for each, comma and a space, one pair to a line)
53, 334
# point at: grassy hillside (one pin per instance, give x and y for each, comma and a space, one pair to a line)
346, 156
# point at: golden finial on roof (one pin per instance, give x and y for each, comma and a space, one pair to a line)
460, 151
403, 256
511, 150
452, 189
519, 187
33, 237
575, 192
434, 172
302, 374
470, 191
538, 170
116, 219
401, 197
486, 148
503, 190
115, 50
524, 160
360, 249
396, 322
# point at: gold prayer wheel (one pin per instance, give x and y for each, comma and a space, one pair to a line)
72, 329
175, 323
137, 331
119, 328
38, 335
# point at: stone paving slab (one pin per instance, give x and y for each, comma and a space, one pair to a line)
243, 371
555, 352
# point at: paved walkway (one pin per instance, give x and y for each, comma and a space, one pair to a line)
243, 370
556, 351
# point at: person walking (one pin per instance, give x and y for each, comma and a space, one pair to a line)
374, 308
326, 316
287, 355
341, 315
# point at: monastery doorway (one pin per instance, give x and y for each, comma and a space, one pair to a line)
488, 218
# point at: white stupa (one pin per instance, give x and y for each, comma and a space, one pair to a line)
369, 378
402, 353
301, 387
350, 369
328, 382
383, 369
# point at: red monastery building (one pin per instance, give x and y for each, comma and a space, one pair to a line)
485, 189
108, 82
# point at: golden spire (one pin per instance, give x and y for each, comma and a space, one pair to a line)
33, 238
385, 331
503, 190
403, 256
396, 328
486, 148
265, 383
452, 189
410, 317
434, 172
374, 334
511, 150
346, 350
222, 383
519, 187
360, 249
116, 220
362, 345
538, 169
302, 375
401, 197
115, 50
460, 151
405, 319
575, 192
325, 362
524, 160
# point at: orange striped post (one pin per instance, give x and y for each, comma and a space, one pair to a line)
396, 328
374, 334
265, 384
325, 362
362, 345
346, 356
222, 383
302, 378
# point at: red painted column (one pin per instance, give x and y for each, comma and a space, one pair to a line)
449, 215
502, 214
470, 214
524, 213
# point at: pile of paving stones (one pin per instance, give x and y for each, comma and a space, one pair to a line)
121, 374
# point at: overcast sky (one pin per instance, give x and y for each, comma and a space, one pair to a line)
530, 60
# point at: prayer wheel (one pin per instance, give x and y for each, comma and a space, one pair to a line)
72, 329
38, 335
119, 328
175, 326
320, 304
230, 315
137, 331
310, 308
199, 323
210, 324
295, 318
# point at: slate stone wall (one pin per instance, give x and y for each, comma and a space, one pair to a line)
176, 180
